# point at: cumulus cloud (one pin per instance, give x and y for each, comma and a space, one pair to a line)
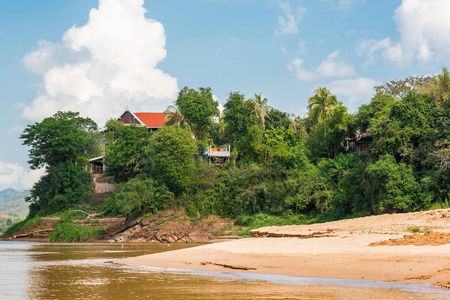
424, 29
17, 177
103, 67
288, 24
353, 92
329, 67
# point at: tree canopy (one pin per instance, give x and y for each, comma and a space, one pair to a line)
61, 144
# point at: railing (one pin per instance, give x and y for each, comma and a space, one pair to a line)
217, 152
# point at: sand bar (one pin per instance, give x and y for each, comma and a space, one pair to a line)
343, 251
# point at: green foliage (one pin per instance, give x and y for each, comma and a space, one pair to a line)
391, 187
321, 105
243, 129
438, 88
139, 195
340, 165
378, 187
66, 231
27, 223
198, 107
127, 151
327, 136
263, 220
284, 148
411, 123
62, 144
276, 118
63, 137
7, 221
172, 151
376, 111
60, 188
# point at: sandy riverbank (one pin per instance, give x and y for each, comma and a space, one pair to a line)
347, 249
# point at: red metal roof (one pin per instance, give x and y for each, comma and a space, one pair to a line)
151, 119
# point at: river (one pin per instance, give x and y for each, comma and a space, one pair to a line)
85, 271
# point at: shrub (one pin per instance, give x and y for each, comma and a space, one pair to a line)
66, 231
139, 195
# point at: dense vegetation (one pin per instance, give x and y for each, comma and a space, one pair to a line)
280, 165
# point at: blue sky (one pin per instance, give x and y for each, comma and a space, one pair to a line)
100, 57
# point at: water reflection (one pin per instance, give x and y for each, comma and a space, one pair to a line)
82, 271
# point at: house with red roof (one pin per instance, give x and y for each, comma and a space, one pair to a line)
151, 120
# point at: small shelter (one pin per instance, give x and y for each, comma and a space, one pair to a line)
360, 144
221, 153
96, 165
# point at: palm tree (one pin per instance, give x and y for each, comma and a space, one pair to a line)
174, 117
261, 109
321, 105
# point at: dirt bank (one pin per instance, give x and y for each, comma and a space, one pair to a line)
166, 227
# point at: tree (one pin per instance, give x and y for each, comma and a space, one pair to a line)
242, 128
379, 108
127, 151
174, 117
321, 105
172, 150
411, 124
277, 118
438, 88
399, 88
63, 137
198, 108
261, 109
61, 144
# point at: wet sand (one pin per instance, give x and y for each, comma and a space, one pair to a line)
344, 252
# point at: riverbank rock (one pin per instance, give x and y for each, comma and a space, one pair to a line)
171, 227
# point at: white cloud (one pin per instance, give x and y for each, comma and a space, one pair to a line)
16, 177
329, 67
103, 67
300, 72
424, 29
288, 24
353, 92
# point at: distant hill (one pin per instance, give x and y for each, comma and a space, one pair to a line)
16, 204
7, 221
7, 194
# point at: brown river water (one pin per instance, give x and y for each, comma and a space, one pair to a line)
85, 271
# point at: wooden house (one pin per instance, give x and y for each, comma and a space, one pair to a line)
360, 144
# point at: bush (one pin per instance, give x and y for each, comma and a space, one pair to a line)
66, 231
391, 186
139, 195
